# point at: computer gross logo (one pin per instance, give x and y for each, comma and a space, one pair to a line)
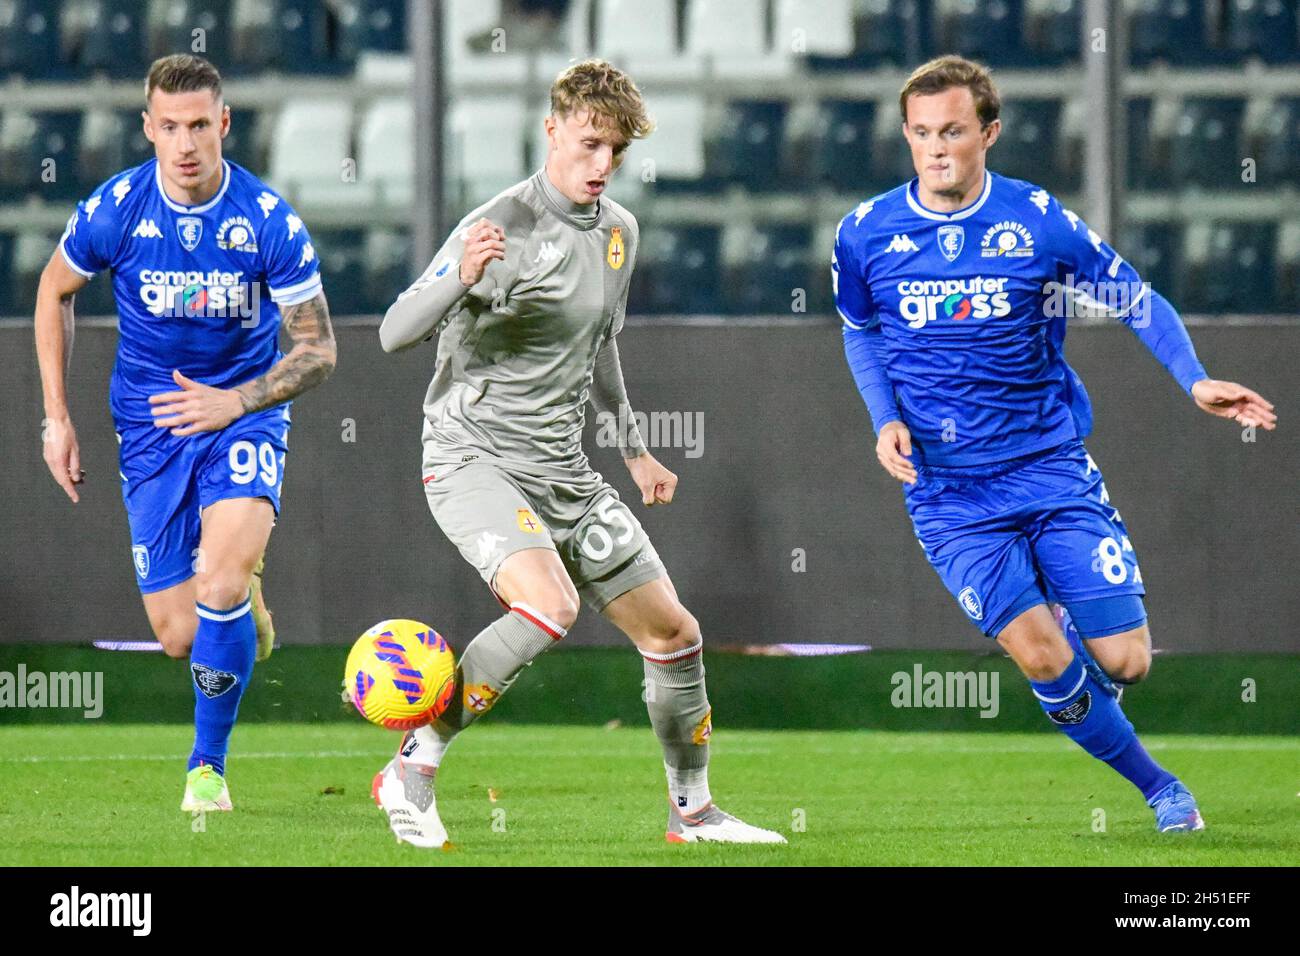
925, 300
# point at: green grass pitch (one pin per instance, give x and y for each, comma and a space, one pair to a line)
108, 794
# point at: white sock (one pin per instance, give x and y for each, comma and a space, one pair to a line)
689, 789
431, 744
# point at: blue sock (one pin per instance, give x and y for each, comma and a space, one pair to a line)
1090, 717
220, 665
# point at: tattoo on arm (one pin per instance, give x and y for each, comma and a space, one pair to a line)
307, 364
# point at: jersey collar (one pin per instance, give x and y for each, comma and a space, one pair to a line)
172, 204
949, 216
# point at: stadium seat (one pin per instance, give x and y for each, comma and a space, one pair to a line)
636, 28
678, 150
747, 146
677, 271
31, 251
842, 150
386, 152
288, 35
1167, 30
1263, 28
486, 152
10, 307
114, 41
371, 25
724, 28
1155, 250
29, 38
1028, 147
819, 27
1206, 150
1147, 160
1053, 31
987, 30
172, 26
388, 267
342, 255
773, 263
887, 31
245, 144
1278, 145
38, 155
1231, 269
1288, 265
310, 142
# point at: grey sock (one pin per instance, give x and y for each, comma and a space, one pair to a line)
679, 707
492, 661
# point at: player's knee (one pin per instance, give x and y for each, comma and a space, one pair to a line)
674, 631
557, 606
1134, 663
222, 591
176, 635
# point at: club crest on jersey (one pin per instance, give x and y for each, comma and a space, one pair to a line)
1007, 238
189, 229
479, 698
237, 233
970, 602
951, 240
615, 254
140, 555
527, 521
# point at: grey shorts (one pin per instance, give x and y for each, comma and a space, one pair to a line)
490, 512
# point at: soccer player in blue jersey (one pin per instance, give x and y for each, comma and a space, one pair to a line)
954, 291
208, 265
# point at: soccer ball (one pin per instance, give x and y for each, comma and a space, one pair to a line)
400, 674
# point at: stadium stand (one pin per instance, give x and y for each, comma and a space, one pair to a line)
774, 117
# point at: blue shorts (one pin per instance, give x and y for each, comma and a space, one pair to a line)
167, 482
1010, 535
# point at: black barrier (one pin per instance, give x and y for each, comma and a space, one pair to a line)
784, 528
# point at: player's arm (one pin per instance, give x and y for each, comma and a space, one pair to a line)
54, 333
203, 408
864, 349
458, 267
1103, 281
609, 397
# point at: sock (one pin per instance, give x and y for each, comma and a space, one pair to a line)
221, 663
487, 668
682, 720
1090, 717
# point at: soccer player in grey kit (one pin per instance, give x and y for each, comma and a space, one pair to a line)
527, 296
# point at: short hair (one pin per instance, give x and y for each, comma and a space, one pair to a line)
945, 72
181, 73
607, 92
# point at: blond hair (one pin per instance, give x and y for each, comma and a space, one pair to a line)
945, 72
599, 87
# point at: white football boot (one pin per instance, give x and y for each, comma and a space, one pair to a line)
404, 791
711, 825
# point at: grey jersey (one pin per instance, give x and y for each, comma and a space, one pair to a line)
516, 351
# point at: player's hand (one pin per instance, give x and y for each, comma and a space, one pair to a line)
195, 408
62, 456
1230, 400
894, 448
656, 482
484, 241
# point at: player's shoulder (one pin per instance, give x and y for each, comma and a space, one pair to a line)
515, 210
120, 194
619, 215
870, 216
1020, 192
247, 189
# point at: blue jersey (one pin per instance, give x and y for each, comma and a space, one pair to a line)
198, 288
971, 309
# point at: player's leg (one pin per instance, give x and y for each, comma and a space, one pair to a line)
1087, 561
172, 618
235, 533
485, 513
668, 638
